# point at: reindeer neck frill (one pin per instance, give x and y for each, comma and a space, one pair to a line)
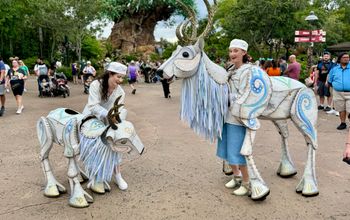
204, 103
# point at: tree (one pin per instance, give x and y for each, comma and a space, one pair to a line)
135, 20
259, 22
81, 14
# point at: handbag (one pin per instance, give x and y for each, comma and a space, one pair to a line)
309, 82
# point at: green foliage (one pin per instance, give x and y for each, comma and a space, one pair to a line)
30, 63
155, 57
66, 70
119, 9
169, 50
92, 48
20, 22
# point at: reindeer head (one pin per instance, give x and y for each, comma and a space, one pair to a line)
120, 135
184, 61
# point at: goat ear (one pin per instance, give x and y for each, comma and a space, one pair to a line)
200, 44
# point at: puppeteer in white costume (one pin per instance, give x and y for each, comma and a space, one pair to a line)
98, 137
208, 88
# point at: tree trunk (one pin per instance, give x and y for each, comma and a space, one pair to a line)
136, 30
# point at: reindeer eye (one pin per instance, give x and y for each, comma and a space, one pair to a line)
185, 54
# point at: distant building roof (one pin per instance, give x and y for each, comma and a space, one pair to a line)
341, 47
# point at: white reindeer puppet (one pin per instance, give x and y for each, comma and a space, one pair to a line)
100, 147
204, 104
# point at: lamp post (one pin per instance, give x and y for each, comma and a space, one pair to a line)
311, 18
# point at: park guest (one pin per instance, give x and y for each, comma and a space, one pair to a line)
339, 79
293, 70
2, 86
75, 73
132, 75
102, 94
323, 69
26, 70
15, 77
88, 71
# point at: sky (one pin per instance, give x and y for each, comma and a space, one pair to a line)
161, 30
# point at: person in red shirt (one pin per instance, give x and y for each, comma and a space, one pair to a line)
293, 70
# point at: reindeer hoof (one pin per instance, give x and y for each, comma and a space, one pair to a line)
78, 202
98, 187
51, 191
310, 190
259, 191
287, 175
262, 197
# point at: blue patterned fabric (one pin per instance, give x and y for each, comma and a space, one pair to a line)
229, 146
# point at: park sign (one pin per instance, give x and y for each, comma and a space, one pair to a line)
305, 36
315, 39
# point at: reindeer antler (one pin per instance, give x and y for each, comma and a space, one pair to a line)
211, 13
113, 114
181, 29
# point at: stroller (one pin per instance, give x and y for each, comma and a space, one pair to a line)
60, 87
45, 86
88, 78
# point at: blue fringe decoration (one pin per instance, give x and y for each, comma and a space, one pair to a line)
99, 159
204, 104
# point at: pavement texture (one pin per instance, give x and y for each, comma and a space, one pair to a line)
177, 177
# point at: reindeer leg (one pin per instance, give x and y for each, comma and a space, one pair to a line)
308, 183
286, 167
79, 198
304, 117
258, 187
83, 176
53, 188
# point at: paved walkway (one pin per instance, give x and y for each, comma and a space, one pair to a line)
178, 177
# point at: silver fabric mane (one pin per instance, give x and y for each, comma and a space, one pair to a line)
204, 103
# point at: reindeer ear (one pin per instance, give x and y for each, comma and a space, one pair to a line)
200, 44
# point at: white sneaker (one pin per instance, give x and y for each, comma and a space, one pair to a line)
332, 111
122, 184
235, 181
19, 111
336, 113
243, 190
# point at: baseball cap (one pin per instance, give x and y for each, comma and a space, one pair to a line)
116, 67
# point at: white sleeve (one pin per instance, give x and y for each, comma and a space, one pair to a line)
94, 101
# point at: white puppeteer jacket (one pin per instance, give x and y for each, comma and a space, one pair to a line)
98, 107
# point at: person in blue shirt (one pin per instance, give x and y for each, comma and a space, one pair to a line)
339, 79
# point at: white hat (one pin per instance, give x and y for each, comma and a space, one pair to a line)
88, 62
237, 43
116, 67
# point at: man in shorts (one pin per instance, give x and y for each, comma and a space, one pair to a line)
323, 69
339, 79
